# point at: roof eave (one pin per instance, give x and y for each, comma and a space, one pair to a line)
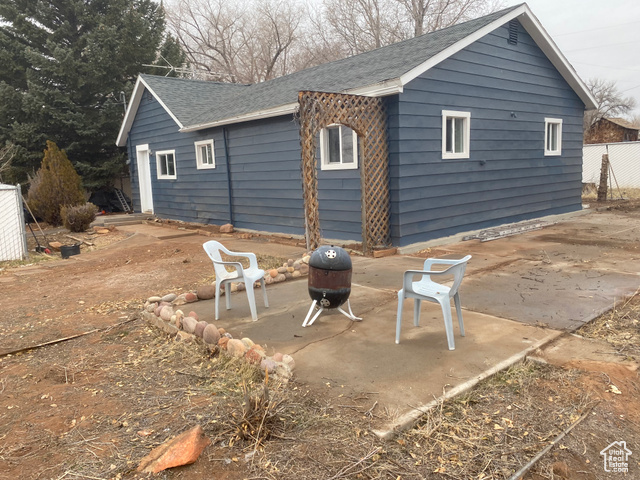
534, 28
132, 109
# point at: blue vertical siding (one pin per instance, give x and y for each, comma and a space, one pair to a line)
509, 90
264, 159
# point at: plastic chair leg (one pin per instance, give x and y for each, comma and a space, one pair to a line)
416, 312
456, 300
448, 322
264, 292
217, 301
252, 300
399, 316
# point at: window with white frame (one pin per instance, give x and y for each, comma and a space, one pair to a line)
205, 157
338, 148
552, 136
166, 163
456, 129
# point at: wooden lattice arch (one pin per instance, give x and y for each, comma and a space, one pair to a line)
366, 116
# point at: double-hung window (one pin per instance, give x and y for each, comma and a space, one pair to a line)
338, 148
166, 163
552, 136
456, 128
205, 157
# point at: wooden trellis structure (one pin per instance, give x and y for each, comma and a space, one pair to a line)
365, 116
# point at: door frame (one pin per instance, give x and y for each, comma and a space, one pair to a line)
144, 178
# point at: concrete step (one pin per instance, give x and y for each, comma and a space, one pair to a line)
121, 219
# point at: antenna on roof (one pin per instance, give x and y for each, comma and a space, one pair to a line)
181, 70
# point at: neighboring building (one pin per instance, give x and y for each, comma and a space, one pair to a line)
483, 127
611, 130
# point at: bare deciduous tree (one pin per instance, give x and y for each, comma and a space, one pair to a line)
609, 100
6, 156
429, 15
236, 41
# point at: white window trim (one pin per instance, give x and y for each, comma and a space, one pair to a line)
467, 133
199, 164
175, 165
547, 122
324, 147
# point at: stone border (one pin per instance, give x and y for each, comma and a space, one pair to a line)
161, 312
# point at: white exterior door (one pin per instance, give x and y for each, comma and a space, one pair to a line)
144, 178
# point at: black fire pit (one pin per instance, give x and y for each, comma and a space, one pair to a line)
329, 282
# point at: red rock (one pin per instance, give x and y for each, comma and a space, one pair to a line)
191, 297
200, 326
226, 228
211, 335
181, 450
193, 314
222, 343
206, 292
254, 356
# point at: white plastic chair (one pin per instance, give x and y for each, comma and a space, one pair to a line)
247, 275
427, 289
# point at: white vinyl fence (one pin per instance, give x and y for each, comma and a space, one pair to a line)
624, 159
13, 239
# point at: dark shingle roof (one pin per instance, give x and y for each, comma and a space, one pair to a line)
200, 103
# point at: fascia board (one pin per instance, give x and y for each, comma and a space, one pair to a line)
132, 109
268, 113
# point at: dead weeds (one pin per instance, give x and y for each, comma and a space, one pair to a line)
620, 327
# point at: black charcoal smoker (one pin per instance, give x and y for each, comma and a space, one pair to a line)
329, 282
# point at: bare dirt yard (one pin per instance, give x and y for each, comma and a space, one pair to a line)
92, 407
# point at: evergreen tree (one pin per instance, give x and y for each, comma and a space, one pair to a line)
54, 186
65, 64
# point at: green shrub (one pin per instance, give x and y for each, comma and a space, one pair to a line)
55, 184
78, 218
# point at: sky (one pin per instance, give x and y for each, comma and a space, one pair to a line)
600, 38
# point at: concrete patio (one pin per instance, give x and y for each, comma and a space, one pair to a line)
519, 293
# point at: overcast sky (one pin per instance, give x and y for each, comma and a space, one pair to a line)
600, 38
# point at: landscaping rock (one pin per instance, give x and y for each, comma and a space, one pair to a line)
296, 274
189, 324
288, 360
240, 287
151, 308
221, 331
254, 355
305, 259
290, 262
170, 329
280, 278
278, 357
226, 228
180, 300
248, 342
304, 269
206, 292
181, 450
200, 326
268, 365
166, 312
211, 335
191, 297
154, 299
273, 272
193, 314
223, 342
269, 279
288, 275
169, 297
184, 337
282, 270
236, 348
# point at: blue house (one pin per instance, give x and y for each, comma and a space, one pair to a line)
482, 126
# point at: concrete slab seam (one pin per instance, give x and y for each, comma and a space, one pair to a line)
409, 419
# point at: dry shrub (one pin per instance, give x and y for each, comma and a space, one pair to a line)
78, 218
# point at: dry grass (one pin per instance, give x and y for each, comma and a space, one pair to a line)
590, 193
488, 433
620, 327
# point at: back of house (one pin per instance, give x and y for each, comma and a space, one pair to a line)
482, 126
